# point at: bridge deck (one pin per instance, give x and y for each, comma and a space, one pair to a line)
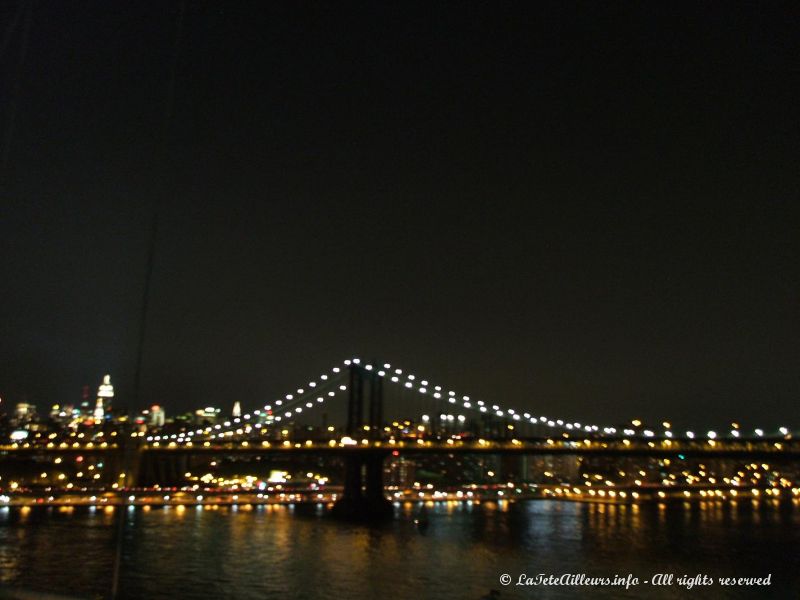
783, 449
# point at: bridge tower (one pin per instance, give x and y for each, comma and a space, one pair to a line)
363, 496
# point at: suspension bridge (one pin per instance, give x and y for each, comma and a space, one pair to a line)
431, 420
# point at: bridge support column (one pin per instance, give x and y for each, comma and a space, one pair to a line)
132, 462
363, 497
353, 479
374, 482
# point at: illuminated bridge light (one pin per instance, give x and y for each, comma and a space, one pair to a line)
424, 387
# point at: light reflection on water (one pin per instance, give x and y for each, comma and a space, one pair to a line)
296, 552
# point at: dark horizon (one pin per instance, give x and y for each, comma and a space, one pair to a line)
583, 211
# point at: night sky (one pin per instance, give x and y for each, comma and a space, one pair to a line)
588, 210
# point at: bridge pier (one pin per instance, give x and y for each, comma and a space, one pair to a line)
363, 497
353, 477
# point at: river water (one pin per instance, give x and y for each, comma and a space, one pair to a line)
299, 552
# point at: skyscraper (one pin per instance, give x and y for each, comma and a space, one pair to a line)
157, 416
237, 409
104, 395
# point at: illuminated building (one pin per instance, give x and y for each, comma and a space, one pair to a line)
85, 409
207, 416
24, 413
237, 409
104, 395
157, 416
400, 472
61, 414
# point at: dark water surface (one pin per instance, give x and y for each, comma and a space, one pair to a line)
284, 552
